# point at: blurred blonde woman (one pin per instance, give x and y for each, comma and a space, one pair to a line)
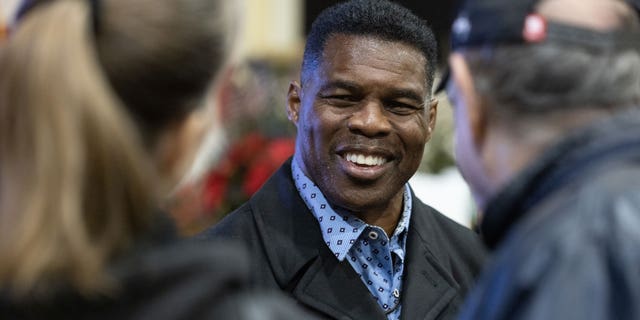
98, 102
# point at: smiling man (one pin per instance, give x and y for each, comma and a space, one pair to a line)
338, 227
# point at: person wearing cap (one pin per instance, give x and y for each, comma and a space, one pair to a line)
338, 227
546, 97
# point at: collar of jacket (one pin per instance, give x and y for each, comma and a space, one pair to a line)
304, 265
612, 139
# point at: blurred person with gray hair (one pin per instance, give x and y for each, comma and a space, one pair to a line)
546, 98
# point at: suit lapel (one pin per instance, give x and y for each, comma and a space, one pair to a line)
301, 261
303, 264
427, 287
336, 289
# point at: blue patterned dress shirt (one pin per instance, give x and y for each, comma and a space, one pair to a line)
377, 259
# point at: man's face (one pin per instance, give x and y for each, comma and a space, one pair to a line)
363, 120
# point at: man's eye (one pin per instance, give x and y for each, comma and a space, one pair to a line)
400, 108
342, 97
341, 100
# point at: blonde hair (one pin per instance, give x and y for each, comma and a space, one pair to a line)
76, 175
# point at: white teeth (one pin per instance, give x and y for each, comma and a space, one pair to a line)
365, 160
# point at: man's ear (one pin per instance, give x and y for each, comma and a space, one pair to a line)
294, 101
475, 109
433, 113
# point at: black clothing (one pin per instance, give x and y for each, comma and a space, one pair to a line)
165, 279
567, 232
289, 253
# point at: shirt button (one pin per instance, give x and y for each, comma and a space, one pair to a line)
396, 293
373, 235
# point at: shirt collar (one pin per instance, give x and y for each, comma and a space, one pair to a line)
340, 230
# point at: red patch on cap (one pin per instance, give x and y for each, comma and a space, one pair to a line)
535, 28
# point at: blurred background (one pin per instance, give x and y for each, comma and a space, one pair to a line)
257, 136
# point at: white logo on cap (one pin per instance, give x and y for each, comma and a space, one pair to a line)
462, 27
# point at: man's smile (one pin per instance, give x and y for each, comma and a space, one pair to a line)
362, 164
365, 160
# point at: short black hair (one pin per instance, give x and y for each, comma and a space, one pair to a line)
376, 18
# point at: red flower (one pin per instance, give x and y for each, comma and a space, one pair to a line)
215, 189
280, 150
266, 163
256, 176
247, 165
247, 148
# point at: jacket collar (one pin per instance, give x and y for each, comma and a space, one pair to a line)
304, 265
617, 137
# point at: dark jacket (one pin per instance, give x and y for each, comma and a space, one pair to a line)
289, 253
567, 232
165, 280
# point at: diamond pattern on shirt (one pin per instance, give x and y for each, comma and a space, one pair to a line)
377, 259
381, 273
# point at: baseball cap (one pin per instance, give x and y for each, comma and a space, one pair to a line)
487, 23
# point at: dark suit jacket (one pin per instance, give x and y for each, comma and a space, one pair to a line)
289, 253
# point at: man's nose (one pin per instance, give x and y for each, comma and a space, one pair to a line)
370, 120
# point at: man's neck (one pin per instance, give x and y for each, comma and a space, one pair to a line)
387, 217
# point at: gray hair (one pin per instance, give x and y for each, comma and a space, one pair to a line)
535, 80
